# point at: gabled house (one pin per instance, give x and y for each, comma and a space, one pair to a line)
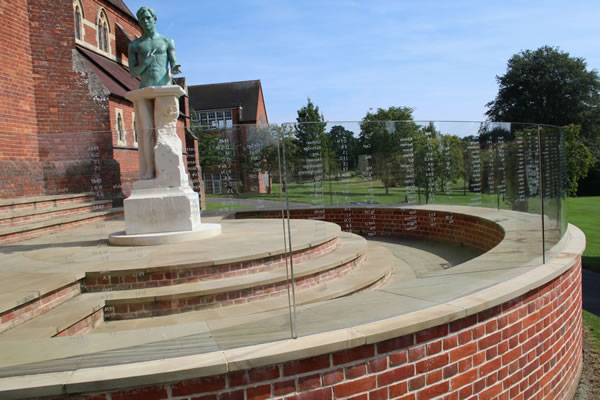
234, 109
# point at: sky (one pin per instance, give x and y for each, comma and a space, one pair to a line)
440, 58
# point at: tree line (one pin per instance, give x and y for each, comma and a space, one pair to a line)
545, 86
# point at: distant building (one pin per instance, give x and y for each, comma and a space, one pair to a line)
227, 104
219, 107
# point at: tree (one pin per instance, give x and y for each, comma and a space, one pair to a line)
579, 158
310, 127
380, 135
450, 167
548, 86
344, 148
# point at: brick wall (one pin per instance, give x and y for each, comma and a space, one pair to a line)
18, 141
526, 348
423, 224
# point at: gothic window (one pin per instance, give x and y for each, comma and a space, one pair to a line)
78, 15
121, 139
135, 134
103, 32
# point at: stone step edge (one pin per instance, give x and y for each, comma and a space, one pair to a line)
136, 274
68, 206
334, 290
38, 306
57, 320
342, 288
85, 305
42, 199
310, 267
58, 221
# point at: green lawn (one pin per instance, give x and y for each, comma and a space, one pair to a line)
222, 206
357, 189
584, 212
592, 323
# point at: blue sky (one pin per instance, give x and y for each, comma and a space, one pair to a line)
439, 57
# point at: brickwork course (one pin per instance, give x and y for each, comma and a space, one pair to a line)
526, 348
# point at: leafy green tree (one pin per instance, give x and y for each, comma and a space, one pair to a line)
548, 86
427, 159
209, 154
450, 167
380, 136
579, 158
310, 127
344, 148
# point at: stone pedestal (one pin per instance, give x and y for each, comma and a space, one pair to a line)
162, 201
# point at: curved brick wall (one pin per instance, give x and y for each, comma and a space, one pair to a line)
440, 225
528, 347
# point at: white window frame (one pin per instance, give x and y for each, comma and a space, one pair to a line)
134, 130
216, 119
102, 22
119, 116
78, 10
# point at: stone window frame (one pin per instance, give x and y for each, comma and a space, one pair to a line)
103, 31
120, 128
134, 130
79, 12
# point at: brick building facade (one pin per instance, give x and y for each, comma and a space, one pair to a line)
236, 112
65, 126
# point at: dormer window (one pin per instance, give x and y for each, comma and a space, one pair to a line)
78, 16
103, 32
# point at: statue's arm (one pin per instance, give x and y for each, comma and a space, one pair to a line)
135, 68
175, 68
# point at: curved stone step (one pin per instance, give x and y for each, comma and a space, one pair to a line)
168, 272
377, 266
80, 314
57, 320
237, 289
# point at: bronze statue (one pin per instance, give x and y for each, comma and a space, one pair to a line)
151, 54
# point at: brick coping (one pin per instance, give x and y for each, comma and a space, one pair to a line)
569, 249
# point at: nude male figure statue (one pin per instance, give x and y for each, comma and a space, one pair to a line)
149, 58
151, 54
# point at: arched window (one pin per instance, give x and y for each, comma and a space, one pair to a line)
78, 16
103, 29
121, 134
135, 134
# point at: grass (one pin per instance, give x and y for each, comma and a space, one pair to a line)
359, 190
584, 213
592, 323
222, 206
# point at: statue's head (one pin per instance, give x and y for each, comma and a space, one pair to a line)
145, 12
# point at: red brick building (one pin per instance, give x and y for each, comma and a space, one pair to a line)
221, 106
65, 126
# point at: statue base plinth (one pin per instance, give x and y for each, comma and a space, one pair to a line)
162, 207
153, 239
162, 210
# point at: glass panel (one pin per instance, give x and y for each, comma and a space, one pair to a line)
553, 166
374, 208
